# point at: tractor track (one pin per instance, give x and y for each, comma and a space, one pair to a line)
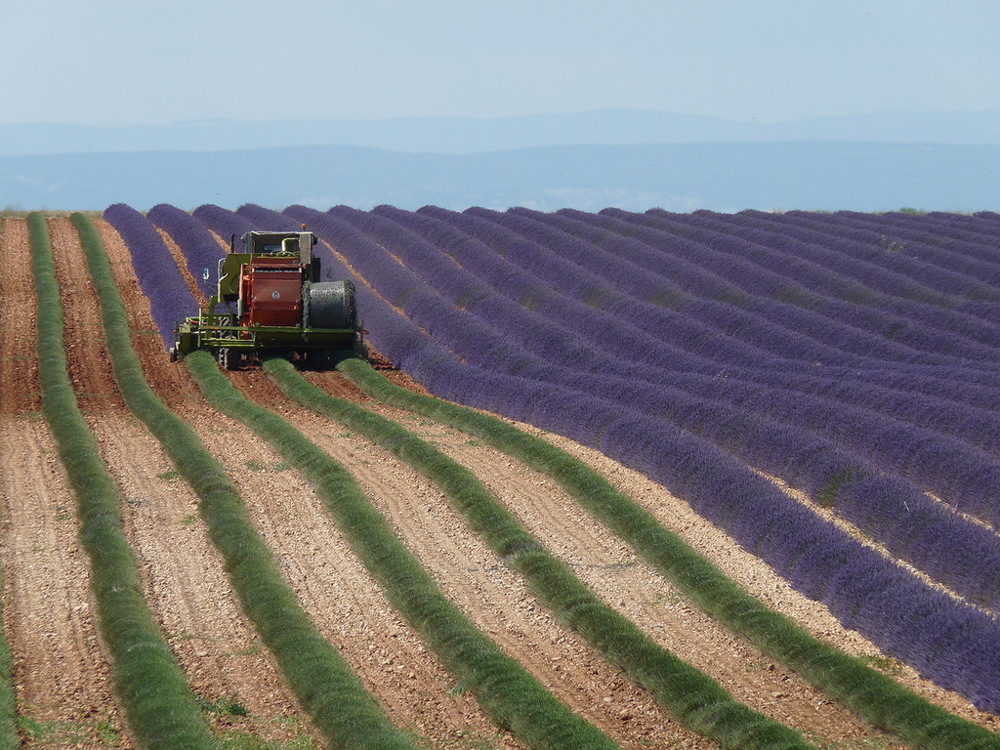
341, 598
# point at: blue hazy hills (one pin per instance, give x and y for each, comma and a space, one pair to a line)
630, 159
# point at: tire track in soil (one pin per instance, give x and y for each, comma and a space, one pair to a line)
62, 678
341, 598
184, 578
491, 594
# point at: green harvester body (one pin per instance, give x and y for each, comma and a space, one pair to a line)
273, 302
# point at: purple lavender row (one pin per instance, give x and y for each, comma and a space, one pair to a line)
932, 328
727, 309
972, 425
963, 243
732, 262
677, 327
227, 224
265, 219
949, 241
200, 248
959, 237
612, 340
786, 328
876, 244
975, 389
933, 241
620, 261
854, 248
812, 259
170, 299
751, 265
761, 441
955, 645
922, 308
939, 262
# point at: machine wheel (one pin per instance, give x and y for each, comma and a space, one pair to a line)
360, 346
319, 359
230, 359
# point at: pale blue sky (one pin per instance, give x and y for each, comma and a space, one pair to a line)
114, 62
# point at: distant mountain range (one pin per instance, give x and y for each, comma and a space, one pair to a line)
632, 160
466, 135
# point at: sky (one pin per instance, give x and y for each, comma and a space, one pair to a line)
125, 62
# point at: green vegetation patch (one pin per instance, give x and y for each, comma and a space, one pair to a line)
93, 733
8, 698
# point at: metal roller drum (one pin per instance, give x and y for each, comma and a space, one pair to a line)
329, 304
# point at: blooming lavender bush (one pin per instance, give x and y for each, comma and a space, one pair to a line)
200, 247
169, 297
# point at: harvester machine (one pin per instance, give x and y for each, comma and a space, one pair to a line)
273, 302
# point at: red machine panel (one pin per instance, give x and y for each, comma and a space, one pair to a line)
272, 296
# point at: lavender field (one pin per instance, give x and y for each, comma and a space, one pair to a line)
851, 357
